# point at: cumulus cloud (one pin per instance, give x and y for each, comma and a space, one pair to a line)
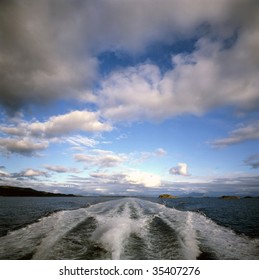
61, 169
101, 158
210, 77
242, 134
60, 125
67, 123
29, 137
146, 179
40, 62
30, 173
24, 147
140, 99
180, 169
130, 178
253, 161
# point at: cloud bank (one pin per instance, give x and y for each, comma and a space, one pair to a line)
40, 63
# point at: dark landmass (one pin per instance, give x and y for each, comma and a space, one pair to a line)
229, 197
16, 191
167, 196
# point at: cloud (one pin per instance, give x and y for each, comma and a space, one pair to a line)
68, 123
160, 152
140, 98
130, 178
216, 73
30, 173
143, 156
28, 138
146, 179
242, 134
79, 140
101, 159
24, 147
209, 77
41, 63
60, 125
180, 169
61, 169
253, 161
108, 178
4, 174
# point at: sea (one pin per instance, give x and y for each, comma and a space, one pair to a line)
128, 228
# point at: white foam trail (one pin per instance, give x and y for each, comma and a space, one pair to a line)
114, 229
196, 231
65, 221
224, 242
36, 239
181, 223
188, 238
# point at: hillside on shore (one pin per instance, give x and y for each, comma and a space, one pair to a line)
17, 191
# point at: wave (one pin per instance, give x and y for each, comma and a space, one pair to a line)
128, 228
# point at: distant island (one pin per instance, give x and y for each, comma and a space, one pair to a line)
229, 197
17, 191
167, 196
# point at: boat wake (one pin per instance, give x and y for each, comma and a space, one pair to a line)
128, 228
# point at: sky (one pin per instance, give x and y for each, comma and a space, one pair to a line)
130, 97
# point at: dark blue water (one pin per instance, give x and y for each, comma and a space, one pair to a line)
242, 215
16, 212
128, 228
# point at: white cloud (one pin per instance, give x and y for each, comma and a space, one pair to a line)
146, 179
180, 169
25, 147
213, 75
101, 158
29, 137
4, 174
61, 169
68, 123
79, 140
140, 98
32, 173
131, 177
242, 134
210, 77
60, 125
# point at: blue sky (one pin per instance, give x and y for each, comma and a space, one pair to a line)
130, 97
